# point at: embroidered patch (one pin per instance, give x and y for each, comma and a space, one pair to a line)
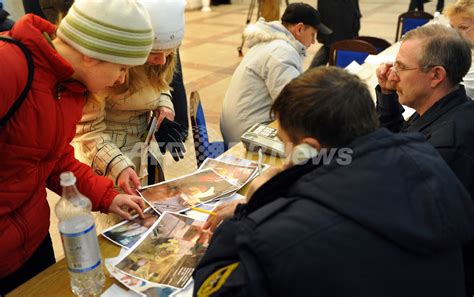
216, 280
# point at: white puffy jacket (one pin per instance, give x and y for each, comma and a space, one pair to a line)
274, 59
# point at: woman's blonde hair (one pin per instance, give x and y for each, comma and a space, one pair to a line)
463, 8
158, 77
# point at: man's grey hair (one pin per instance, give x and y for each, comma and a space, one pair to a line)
443, 46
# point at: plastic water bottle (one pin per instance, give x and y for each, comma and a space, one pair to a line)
79, 238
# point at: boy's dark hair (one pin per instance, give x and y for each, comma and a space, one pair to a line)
326, 103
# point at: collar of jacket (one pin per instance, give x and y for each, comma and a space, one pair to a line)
444, 105
263, 31
29, 30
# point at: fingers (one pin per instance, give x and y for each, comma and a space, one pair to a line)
123, 204
125, 186
123, 214
136, 203
135, 180
212, 223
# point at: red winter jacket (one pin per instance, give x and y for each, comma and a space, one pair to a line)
34, 144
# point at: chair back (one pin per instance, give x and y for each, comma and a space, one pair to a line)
204, 149
343, 52
410, 20
379, 43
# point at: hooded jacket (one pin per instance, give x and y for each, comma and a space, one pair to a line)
273, 60
390, 223
34, 143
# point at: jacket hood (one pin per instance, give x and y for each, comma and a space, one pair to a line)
396, 186
29, 30
262, 31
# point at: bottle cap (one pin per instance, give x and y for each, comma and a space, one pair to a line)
67, 179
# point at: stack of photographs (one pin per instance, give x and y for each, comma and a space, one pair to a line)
165, 246
184, 192
165, 256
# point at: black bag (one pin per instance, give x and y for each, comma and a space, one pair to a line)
26, 89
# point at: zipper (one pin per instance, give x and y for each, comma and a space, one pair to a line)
59, 118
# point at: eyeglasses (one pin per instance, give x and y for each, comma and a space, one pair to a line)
396, 69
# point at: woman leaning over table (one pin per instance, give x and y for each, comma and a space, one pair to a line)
114, 124
461, 17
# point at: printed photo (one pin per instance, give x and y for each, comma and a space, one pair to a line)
181, 193
169, 252
127, 233
237, 174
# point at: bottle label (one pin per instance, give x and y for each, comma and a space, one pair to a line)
81, 249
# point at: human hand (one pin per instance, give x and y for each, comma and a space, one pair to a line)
161, 113
383, 73
223, 211
128, 178
262, 179
123, 204
169, 137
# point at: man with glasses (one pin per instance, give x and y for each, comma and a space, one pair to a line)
426, 76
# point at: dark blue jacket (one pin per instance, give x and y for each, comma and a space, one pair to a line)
449, 126
391, 223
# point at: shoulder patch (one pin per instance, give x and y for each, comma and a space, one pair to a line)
216, 280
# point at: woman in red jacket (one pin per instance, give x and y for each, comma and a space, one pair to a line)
92, 51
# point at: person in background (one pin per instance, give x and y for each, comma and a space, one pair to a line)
461, 18
277, 50
180, 102
419, 5
369, 221
426, 76
343, 17
5, 22
111, 132
34, 140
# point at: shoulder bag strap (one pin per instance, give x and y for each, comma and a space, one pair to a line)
26, 89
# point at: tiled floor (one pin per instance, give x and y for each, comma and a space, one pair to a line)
209, 56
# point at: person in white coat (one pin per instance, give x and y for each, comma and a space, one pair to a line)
277, 50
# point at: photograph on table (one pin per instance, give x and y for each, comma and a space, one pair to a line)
140, 286
169, 252
239, 175
180, 194
127, 233
239, 161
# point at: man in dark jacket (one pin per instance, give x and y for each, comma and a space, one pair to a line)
372, 214
343, 17
426, 76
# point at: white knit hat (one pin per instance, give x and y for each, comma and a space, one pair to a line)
116, 31
167, 18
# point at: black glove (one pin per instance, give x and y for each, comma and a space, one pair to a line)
169, 137
3, 14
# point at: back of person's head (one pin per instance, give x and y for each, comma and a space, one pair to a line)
115, 31
300, 12
443, 46
326, 103
462, 8
167, 18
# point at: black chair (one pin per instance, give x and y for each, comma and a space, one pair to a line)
410, 20
379, 43
343, 52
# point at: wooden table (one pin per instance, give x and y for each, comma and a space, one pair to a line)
54, 281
